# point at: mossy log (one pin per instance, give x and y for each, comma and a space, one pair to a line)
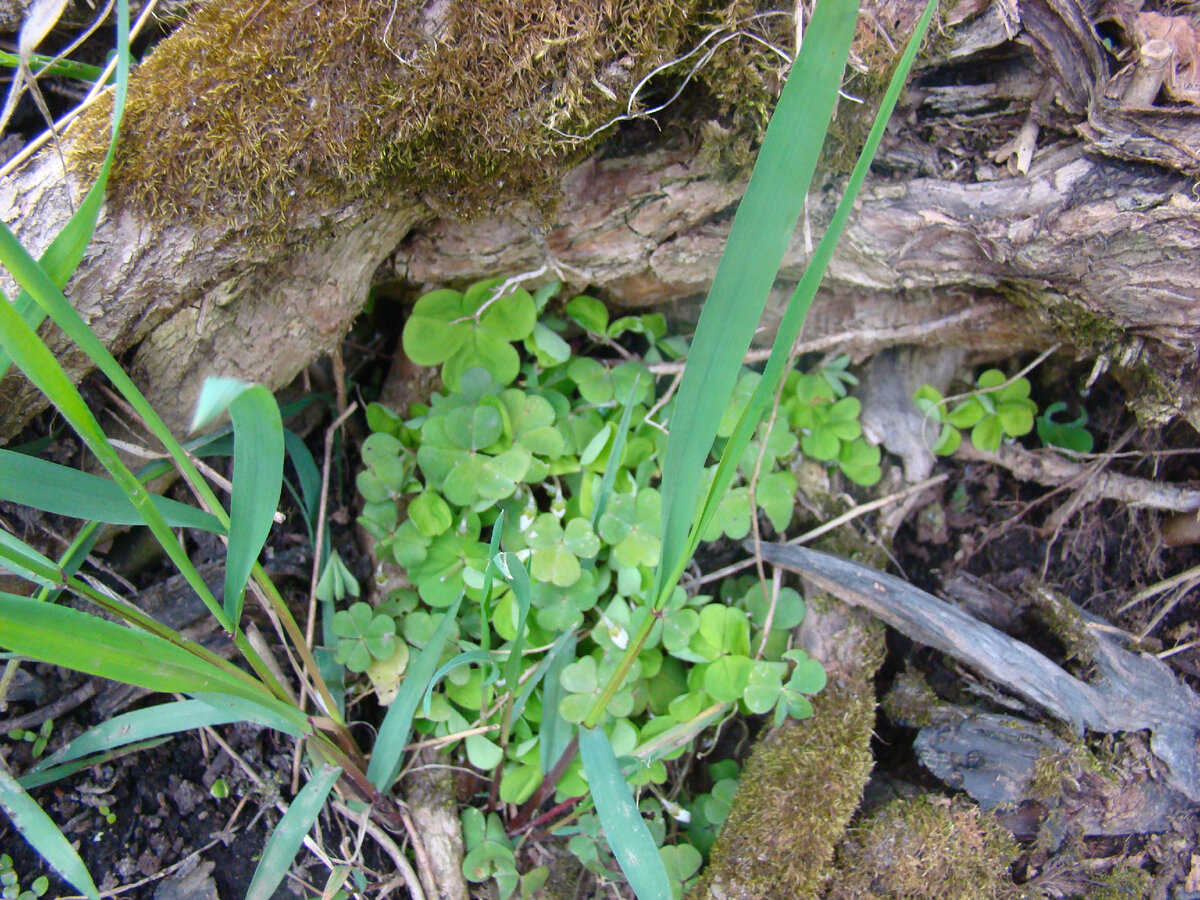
276, 154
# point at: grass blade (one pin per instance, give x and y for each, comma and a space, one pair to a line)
626, 832
463, 659
289, 834
33, 780
761, 229
63, 255
165, 718
384, 766
86, 643
38, 484
21, 559
804, 293
43, 835
44, 371
614, 456
257, 474
555, 733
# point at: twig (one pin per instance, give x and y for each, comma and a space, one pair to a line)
319, 539
424, 867
1165, 585
1048, 467
851, 514
918, 330
385, 842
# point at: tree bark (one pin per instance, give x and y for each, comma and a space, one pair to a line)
1094, 245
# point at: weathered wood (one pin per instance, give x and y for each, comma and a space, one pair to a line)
1131, 692
1095, 250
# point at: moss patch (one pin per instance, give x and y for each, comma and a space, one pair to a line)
930, 848
252, 108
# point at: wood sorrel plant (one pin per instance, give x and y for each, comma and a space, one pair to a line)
644, 543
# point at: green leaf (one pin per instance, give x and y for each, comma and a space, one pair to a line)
1015, 419
430, 513
29, 481
429, 338
624, 829
86, 643
725, 679
762, 228
285, 841
43, 835
257, 474
385, 762
589, 313
763, 688
987, 434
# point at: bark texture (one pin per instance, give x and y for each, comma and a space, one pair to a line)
1018, 201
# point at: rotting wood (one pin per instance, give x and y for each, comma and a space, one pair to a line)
1096, 250
1131, 692
1050, 467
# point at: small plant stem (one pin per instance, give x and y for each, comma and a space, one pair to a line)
319, 540
752, 488
546, 788
848, 516
618, 677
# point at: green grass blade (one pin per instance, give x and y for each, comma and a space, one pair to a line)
614, 457
762, 227
513, 571
463, 659
257, 474
386, 758
44, 371
86, 643
804, 293
66, 770
555, 733
165, 718
39, 62
624, 828
43, 835
21, 559
308, 476
289, 834
38, 484
63, 255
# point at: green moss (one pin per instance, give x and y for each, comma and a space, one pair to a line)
928, 848
799, 789
255, 110
1122, 883
911, 701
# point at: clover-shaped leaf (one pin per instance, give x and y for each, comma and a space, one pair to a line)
722, 630
776, 493
764, 686
556, 552
439, 576
859, 461
725, 679
454, 329
632, 525
732, 517
998, 408
430, 513
336, 580
789, 607
363, 636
